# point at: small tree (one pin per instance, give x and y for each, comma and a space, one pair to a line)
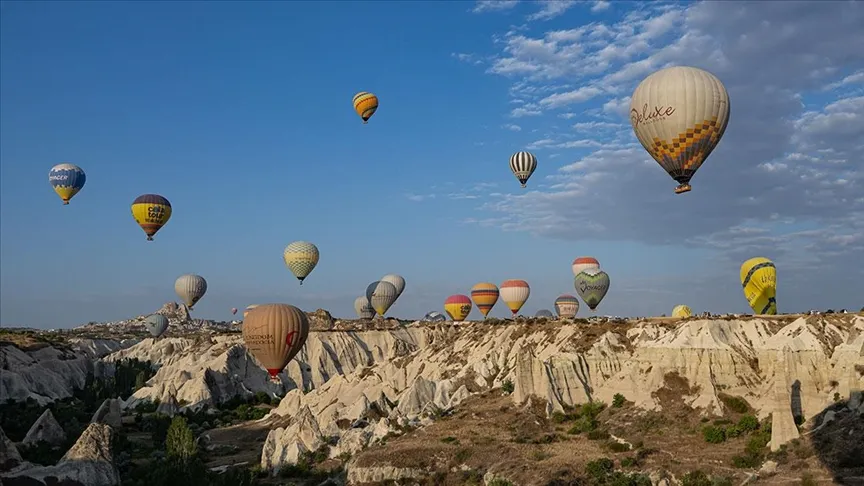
140, 380
180, 442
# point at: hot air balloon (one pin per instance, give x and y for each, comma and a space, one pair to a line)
151, 212
592, 285
248, 309
583, 263
275, 333
566, 306
523, 164
397, 280
679, 115
381, 295
514, 293
484, 295
434, 316
301, 258
190, 288
365, 104
544, 313
363, 308
233, 310
681, 311
759, 279
457, 307
67, 180
156, 324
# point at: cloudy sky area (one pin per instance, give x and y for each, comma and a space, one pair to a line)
785, 182
176, 103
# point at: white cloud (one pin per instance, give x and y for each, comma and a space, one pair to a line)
600, 6
493, 5
786, 180
512, 127
551, 9
419, 197
466, 57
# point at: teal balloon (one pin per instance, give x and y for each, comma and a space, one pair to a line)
156, 324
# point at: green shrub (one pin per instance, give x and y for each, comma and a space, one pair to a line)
713, 434
598, 434
696, 478
507, 387
618, 400
736, 404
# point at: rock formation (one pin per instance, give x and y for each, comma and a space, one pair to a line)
89, 462
9, 456
45, 429
109, 413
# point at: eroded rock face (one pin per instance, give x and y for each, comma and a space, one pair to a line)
109, 413
9, 456
88, 463
45, 429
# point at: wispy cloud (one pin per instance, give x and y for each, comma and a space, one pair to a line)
493, 5
551, 8
512, 127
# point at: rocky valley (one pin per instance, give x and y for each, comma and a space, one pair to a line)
690, 401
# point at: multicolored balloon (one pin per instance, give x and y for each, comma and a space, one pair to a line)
434, 316
457, 307
584, 263
190, 288
567, 306
679, 115
363, 308
248, 309
485, 296
681, 311
759, 279
515, 293
381, 295
365, 104
301, 257
156, 324
67, 180
592, 285
151, 212
274, 334
545, 313
233, 310
523, 164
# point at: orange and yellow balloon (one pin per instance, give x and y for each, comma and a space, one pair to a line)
365, 104
484, 295
151, 212
515, 293
457, 307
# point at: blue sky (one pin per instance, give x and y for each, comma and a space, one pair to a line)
240, 114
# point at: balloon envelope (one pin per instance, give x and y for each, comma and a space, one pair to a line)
485, 295
523, 164
381, 295
365, 104
515, 293
363, 308
681, 311
567, 306
584, 263
544, 313
457, 307
274, 334
679, 115
301, 257
434, 316
233, 310
190, 288
156, 324
397, 280
592, 285
67, 180
759, 279
247, 309
151, 212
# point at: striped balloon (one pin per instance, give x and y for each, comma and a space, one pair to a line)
523, 165
151, 212
67, 180
301, 257
457, 307
381, 295
485, 296
515, 293
274, 334
584, 263
592, 285
156, 324
190, 288
365, 104
363, 308
567, 306
759, 279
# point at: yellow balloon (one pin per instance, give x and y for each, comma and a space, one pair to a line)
365, 104
759, 279
151, 212
681, 311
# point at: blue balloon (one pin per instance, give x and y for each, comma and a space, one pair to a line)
157, 324
67, 180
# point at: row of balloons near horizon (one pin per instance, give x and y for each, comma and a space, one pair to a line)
275, 333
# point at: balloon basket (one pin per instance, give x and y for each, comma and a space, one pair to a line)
683, 188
